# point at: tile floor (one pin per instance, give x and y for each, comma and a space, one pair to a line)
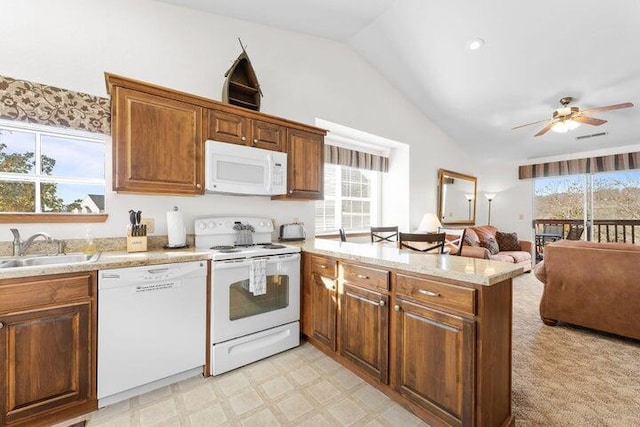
300, 387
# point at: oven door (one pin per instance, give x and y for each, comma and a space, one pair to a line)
235, 311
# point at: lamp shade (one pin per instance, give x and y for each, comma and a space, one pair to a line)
429, 223
490, 196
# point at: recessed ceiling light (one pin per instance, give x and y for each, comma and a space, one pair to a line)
475, 44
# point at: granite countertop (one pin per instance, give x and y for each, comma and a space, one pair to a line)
470, 270
107, 260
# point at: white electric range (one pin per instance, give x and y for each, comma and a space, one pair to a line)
255, 290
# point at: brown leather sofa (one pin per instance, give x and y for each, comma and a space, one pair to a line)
591, 284
472, 247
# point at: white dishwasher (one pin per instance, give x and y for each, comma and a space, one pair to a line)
151, 327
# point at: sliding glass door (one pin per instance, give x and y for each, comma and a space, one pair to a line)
602, 207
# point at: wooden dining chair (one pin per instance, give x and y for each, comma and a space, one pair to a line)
454, 239
429, 241
343, 235
384, 234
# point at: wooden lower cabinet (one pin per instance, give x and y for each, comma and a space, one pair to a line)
325, 304
364, 330
434, 356
48, 361
440, 348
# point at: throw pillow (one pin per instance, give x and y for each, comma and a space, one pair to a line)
507, 241
471, 238
491, 244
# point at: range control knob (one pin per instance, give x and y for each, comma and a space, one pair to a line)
202, 225
211, 224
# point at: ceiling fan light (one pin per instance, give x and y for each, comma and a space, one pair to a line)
565, 126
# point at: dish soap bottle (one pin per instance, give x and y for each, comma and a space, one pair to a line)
88, 247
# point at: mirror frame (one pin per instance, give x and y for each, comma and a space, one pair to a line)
441, 208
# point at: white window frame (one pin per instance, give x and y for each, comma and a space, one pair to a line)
38, 178
375, 200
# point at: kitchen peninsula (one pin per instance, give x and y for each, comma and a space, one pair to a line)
431, 331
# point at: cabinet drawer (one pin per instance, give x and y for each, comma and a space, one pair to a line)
19, 294
324, 266
456, 297
366, 276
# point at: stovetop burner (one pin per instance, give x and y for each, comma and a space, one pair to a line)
222, 247
229, 251
273, 246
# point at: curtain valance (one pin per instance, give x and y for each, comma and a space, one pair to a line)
610, 163
355, 159
48, 105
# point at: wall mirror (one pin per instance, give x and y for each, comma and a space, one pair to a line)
456, 198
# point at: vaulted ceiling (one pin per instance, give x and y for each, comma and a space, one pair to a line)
534, 53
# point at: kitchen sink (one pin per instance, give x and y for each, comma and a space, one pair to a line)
48, 260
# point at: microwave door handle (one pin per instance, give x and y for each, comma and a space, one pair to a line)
269, 171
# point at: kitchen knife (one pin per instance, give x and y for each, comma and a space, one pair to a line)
132, 219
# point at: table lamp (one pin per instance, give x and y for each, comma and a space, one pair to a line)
429, 223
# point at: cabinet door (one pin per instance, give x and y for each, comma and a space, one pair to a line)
229, 127
324, 294
45, 362
157, 144
269, 136
364, 330
435, 361
305, 159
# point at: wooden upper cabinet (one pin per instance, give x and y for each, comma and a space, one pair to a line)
305, 177
236, 128
157, 144
228, 127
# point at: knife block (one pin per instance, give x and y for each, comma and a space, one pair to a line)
136, 243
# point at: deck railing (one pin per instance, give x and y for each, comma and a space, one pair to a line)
598, 230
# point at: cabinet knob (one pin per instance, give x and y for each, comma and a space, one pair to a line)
290, 191
396, 307
381, 303
362, 276
255, 141
198, 186
1, 325
243, 138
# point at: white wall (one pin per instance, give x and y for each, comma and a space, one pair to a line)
71, 43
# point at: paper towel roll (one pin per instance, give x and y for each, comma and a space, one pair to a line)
175, 229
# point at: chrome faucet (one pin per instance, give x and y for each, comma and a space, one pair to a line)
20, 247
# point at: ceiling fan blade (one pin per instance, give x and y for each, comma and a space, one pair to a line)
609, 107
589, 120
545, 129
529, 124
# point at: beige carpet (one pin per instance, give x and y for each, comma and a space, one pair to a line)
562, 376
570, 376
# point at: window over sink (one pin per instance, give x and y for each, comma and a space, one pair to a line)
50, 170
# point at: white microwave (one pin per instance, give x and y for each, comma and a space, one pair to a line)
238, 169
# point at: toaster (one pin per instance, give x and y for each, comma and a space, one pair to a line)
292, 232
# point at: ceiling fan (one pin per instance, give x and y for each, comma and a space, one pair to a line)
568, 118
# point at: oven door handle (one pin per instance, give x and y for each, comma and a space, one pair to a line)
271, 259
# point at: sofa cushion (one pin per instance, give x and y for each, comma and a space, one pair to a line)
518, 256
501, 257
471, 238
485, 231
507, 241
491, 244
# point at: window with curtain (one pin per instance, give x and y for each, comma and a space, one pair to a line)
352, 190
52, 153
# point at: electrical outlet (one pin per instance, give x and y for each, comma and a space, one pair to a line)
521, 216
150, 223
